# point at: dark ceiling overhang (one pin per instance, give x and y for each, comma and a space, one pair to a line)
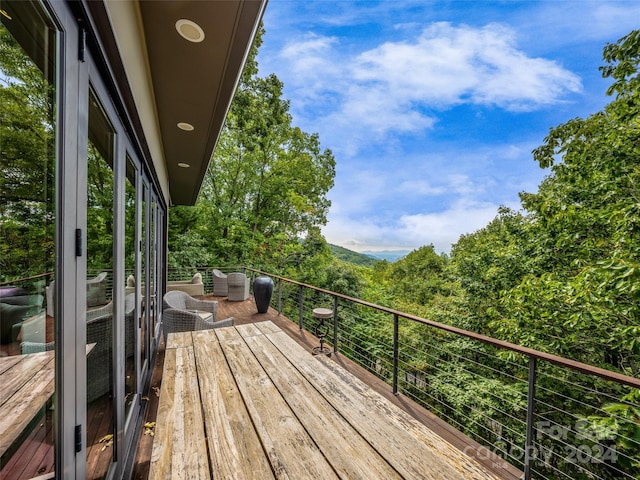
194, 82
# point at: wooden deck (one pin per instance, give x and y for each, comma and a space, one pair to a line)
447, 442
249, 402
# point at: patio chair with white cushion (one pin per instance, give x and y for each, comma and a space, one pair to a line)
238, 287
220, 287
183, 313
99, 360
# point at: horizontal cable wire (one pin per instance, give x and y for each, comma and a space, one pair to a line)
357, 328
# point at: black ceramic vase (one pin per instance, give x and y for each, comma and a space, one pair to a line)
262, 291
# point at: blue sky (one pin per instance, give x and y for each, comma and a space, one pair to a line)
432, 108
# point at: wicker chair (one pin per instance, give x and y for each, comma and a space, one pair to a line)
99, 360
96, 293
180, 314
238, 287
33, 329
220, 286
97, 290
36, 347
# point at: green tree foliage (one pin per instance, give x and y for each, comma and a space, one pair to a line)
490, 261
352, 257
581, 299
419, 276
100, 191
265, 190
26, 164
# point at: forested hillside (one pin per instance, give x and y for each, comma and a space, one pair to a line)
350, 256
561, 275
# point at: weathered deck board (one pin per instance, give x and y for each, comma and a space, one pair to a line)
181, 451
21, 371
234, 445
179, 339
291, 451
412, 449
245, 313
26, 388
352, 456
270, 409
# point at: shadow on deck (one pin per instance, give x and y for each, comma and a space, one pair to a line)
246, 313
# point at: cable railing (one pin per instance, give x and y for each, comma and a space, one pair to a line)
549, 416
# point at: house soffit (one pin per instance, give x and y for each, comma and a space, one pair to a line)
194, 79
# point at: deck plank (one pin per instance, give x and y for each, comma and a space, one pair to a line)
413, 451
179, 340
289, 448
21, 371
21, 408
234, 445
160, 466
245, 313
190, 461
352, 457
179, 449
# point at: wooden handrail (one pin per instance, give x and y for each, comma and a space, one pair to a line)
529, 352
40, 275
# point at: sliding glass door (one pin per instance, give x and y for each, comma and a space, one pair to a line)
81, 245
100, 312
28, 166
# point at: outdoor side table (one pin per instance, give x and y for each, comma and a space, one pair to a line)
321, 330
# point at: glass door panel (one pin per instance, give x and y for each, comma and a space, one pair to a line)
132, 289
144, 334
99, 287
28, 63
153, 300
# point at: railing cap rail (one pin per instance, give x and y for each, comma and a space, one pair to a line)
529, 352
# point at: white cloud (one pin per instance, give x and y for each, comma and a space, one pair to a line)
611, 17
430, 200
375, 92
397, 86
442, 229
448, 65
568, 22
418, 186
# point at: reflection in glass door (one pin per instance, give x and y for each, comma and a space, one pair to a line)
153, 296
132, 289
144, 333
28, 59
99, 288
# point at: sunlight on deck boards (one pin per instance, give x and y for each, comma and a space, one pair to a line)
249, 402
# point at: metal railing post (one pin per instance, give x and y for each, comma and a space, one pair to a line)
301, 307
279, 297
395, 353
335, 324
529, 454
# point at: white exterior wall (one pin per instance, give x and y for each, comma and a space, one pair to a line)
128, 31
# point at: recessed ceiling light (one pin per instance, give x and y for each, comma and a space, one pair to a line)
187, 127
190, 30
184, 165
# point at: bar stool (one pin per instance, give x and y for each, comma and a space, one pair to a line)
321, 330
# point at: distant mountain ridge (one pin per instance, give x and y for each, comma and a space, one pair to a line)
368, 258
388, 255
350, 256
